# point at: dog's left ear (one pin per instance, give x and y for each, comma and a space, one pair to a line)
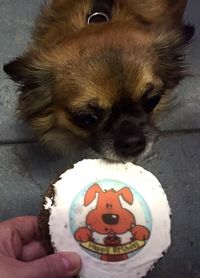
188, 33
126, 195
157, 12
169, 47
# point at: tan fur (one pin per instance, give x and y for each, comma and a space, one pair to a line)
70, 65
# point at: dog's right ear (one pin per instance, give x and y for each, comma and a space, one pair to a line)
17, 69
91, 194
35, 77
30, 69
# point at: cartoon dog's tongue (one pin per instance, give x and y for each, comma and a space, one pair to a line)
112, 240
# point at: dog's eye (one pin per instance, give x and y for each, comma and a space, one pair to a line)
87, 117
150, 102
86, 120
149, 89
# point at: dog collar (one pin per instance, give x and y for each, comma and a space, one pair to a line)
101, 11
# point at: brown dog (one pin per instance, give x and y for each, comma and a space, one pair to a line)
109, 218
97, 70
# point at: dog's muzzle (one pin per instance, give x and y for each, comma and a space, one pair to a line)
110, 219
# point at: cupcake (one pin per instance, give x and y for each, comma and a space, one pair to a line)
115, 216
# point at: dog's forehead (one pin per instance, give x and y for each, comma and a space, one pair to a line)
104, 66
102, 40
110, 191
109, 195
106, 77
97, 36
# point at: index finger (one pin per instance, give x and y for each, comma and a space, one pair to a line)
26, 227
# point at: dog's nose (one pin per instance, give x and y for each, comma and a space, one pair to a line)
130, 144
110, 219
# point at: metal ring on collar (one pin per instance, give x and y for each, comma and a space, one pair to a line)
92, 16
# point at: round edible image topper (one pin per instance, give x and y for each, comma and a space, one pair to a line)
110, 220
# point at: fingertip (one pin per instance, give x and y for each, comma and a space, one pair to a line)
71, 260
64, 264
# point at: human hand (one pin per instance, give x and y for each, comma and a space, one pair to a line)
23, 256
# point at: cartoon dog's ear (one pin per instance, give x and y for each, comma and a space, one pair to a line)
91, 194
126, 195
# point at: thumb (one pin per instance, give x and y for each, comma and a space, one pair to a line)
60, 265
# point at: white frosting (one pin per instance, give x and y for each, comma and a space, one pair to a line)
48, 203
88, 172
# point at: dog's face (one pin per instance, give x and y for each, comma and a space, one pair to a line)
100, 86
109, 216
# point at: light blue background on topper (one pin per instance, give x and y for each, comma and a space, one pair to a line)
108, 184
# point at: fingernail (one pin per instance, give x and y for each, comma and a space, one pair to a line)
71, 262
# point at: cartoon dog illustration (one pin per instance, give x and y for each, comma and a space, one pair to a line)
109, 218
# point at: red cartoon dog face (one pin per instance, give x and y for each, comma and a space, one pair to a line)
109, 216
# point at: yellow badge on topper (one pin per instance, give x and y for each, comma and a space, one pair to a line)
112, 219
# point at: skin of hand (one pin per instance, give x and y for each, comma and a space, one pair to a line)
22, 254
